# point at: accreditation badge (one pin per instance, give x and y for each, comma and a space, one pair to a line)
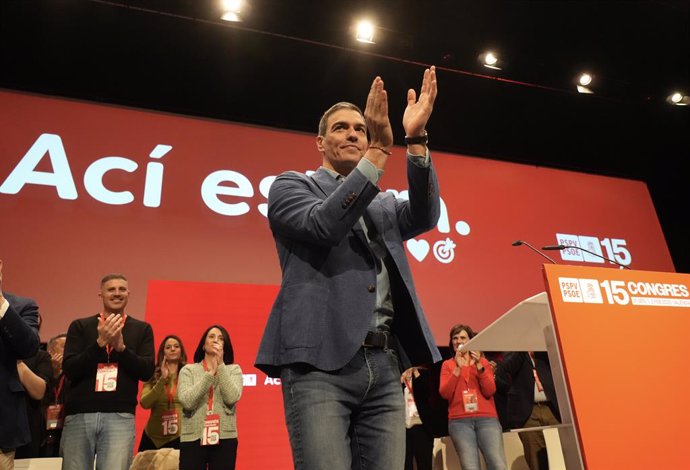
55, 415
211, 434
106, 377
170, 422
469, 399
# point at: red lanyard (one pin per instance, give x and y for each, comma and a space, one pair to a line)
108, 347
540, 387
171, 392
59, 387
465, 372
210, 392
408, 384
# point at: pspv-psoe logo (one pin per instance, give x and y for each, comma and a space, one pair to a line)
577, 290
611, 248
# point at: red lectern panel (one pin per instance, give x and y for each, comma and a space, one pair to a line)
623, 338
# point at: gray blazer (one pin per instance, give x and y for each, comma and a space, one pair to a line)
327, 296
192, 391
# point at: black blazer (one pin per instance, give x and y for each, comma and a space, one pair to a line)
18, 340
432, 407
514, 376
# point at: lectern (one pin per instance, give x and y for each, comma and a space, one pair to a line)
617, 342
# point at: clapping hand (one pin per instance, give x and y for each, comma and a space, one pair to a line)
215, 357
419, 108
165, 372
376, 115
460, 356
476, 356
110, 332
56, 362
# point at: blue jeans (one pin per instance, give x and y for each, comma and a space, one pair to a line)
469, 435
108, 435
352, 418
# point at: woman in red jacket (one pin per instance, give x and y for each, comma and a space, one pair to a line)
467, 382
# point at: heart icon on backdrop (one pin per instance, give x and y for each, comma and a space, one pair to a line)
418, 248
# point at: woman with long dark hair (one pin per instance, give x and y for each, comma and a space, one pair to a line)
209, 390
160, 396
467, 382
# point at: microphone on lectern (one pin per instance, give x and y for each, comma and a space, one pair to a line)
522, 242
565, 247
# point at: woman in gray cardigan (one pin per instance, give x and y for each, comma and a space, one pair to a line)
208, 391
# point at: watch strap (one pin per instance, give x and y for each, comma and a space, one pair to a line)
418, 139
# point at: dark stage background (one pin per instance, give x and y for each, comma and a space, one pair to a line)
289, 60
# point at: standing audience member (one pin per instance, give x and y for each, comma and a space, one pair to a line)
419, 438
18, 340
500, 397
347, 319
209, 391
160, 396
106, 355
432, 409
34, 374
469, 388
527, 380
54, 400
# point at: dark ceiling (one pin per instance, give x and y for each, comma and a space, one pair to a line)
290, 59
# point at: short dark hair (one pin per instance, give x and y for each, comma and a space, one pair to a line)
228, 354
457, 329
323, 122
52, 340
111, 276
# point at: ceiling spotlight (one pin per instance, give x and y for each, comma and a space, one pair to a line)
585, 79
365, 32
231, 10
678, 99
582, 83
490, 60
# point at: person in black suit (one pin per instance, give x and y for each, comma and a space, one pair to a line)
54, 399
18, 340
34, 374
430, 419
531, 400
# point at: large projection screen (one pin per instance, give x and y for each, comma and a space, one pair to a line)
178, 205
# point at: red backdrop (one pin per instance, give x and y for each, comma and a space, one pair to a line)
187, 309
87, 189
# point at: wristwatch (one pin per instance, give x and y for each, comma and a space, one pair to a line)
419, 139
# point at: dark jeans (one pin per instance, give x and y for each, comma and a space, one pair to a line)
419, 447
194, 456
352, 418
147, 444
